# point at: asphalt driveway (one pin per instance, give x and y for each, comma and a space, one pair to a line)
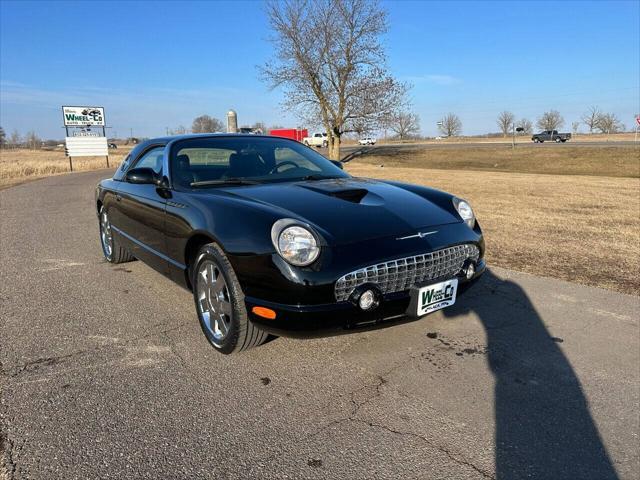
106, 374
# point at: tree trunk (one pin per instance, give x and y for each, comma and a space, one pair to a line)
334, 147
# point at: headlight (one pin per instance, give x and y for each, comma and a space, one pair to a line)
465, 211
295, 243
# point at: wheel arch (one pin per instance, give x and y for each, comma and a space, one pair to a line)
193, 245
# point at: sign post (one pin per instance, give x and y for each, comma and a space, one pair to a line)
83, 141
637, 127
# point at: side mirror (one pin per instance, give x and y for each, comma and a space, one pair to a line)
142, 176
338, 164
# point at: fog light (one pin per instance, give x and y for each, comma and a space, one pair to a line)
367, 300
470, 271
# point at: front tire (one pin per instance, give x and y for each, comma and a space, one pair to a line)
558, 140
111, 249
220, 303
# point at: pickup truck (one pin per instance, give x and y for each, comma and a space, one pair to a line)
550, 136
316, 140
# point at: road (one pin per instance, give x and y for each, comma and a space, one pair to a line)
383, 148
105, 374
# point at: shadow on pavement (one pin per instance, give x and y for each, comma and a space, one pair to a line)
543, 425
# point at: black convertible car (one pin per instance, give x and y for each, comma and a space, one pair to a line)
272, 237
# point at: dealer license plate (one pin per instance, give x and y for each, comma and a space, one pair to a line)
436, 296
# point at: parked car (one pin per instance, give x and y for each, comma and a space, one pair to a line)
550, 136
316, 140
112, 145
271, 237
367, 141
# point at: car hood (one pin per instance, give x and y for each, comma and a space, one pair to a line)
350, 209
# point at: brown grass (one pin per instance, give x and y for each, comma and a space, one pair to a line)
620, 161
575, 227
578, 228
18, 166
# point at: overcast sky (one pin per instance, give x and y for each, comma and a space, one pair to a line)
158, 65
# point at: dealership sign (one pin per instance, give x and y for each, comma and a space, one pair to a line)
86, 147
83, 116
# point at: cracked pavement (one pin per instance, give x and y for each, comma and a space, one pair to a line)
106, 374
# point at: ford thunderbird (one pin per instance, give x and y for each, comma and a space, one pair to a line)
273, 238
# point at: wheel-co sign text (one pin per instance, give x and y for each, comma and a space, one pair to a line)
82, 116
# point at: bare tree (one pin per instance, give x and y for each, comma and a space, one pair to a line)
574, 127
590, 118
360, 128
3, 138
180, 130
609, 123
505, 122
15, 139
405, 124
330, 61
32, 140
526, 125
451, 125
206, 124
551, 120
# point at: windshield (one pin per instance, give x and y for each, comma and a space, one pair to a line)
199, 162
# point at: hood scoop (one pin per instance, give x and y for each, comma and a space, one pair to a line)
353, 195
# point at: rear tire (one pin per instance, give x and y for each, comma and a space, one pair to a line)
219, 302
111, 249
558, 140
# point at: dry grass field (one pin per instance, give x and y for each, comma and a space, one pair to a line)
583, 229
579, 221
20, 165
618, 161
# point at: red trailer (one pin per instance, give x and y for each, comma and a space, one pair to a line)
293, 133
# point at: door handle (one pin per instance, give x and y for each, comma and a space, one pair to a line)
118, 198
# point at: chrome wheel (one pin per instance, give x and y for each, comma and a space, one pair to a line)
106, 237
213, 300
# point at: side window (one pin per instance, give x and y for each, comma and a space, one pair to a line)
152, 159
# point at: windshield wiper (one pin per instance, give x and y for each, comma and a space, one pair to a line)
226, 181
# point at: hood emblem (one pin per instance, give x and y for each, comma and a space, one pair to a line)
418, 235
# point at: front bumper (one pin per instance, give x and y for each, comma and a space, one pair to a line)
339, 317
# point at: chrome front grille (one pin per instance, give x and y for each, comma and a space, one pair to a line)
403, 273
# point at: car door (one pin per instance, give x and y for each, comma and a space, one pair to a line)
140, 212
